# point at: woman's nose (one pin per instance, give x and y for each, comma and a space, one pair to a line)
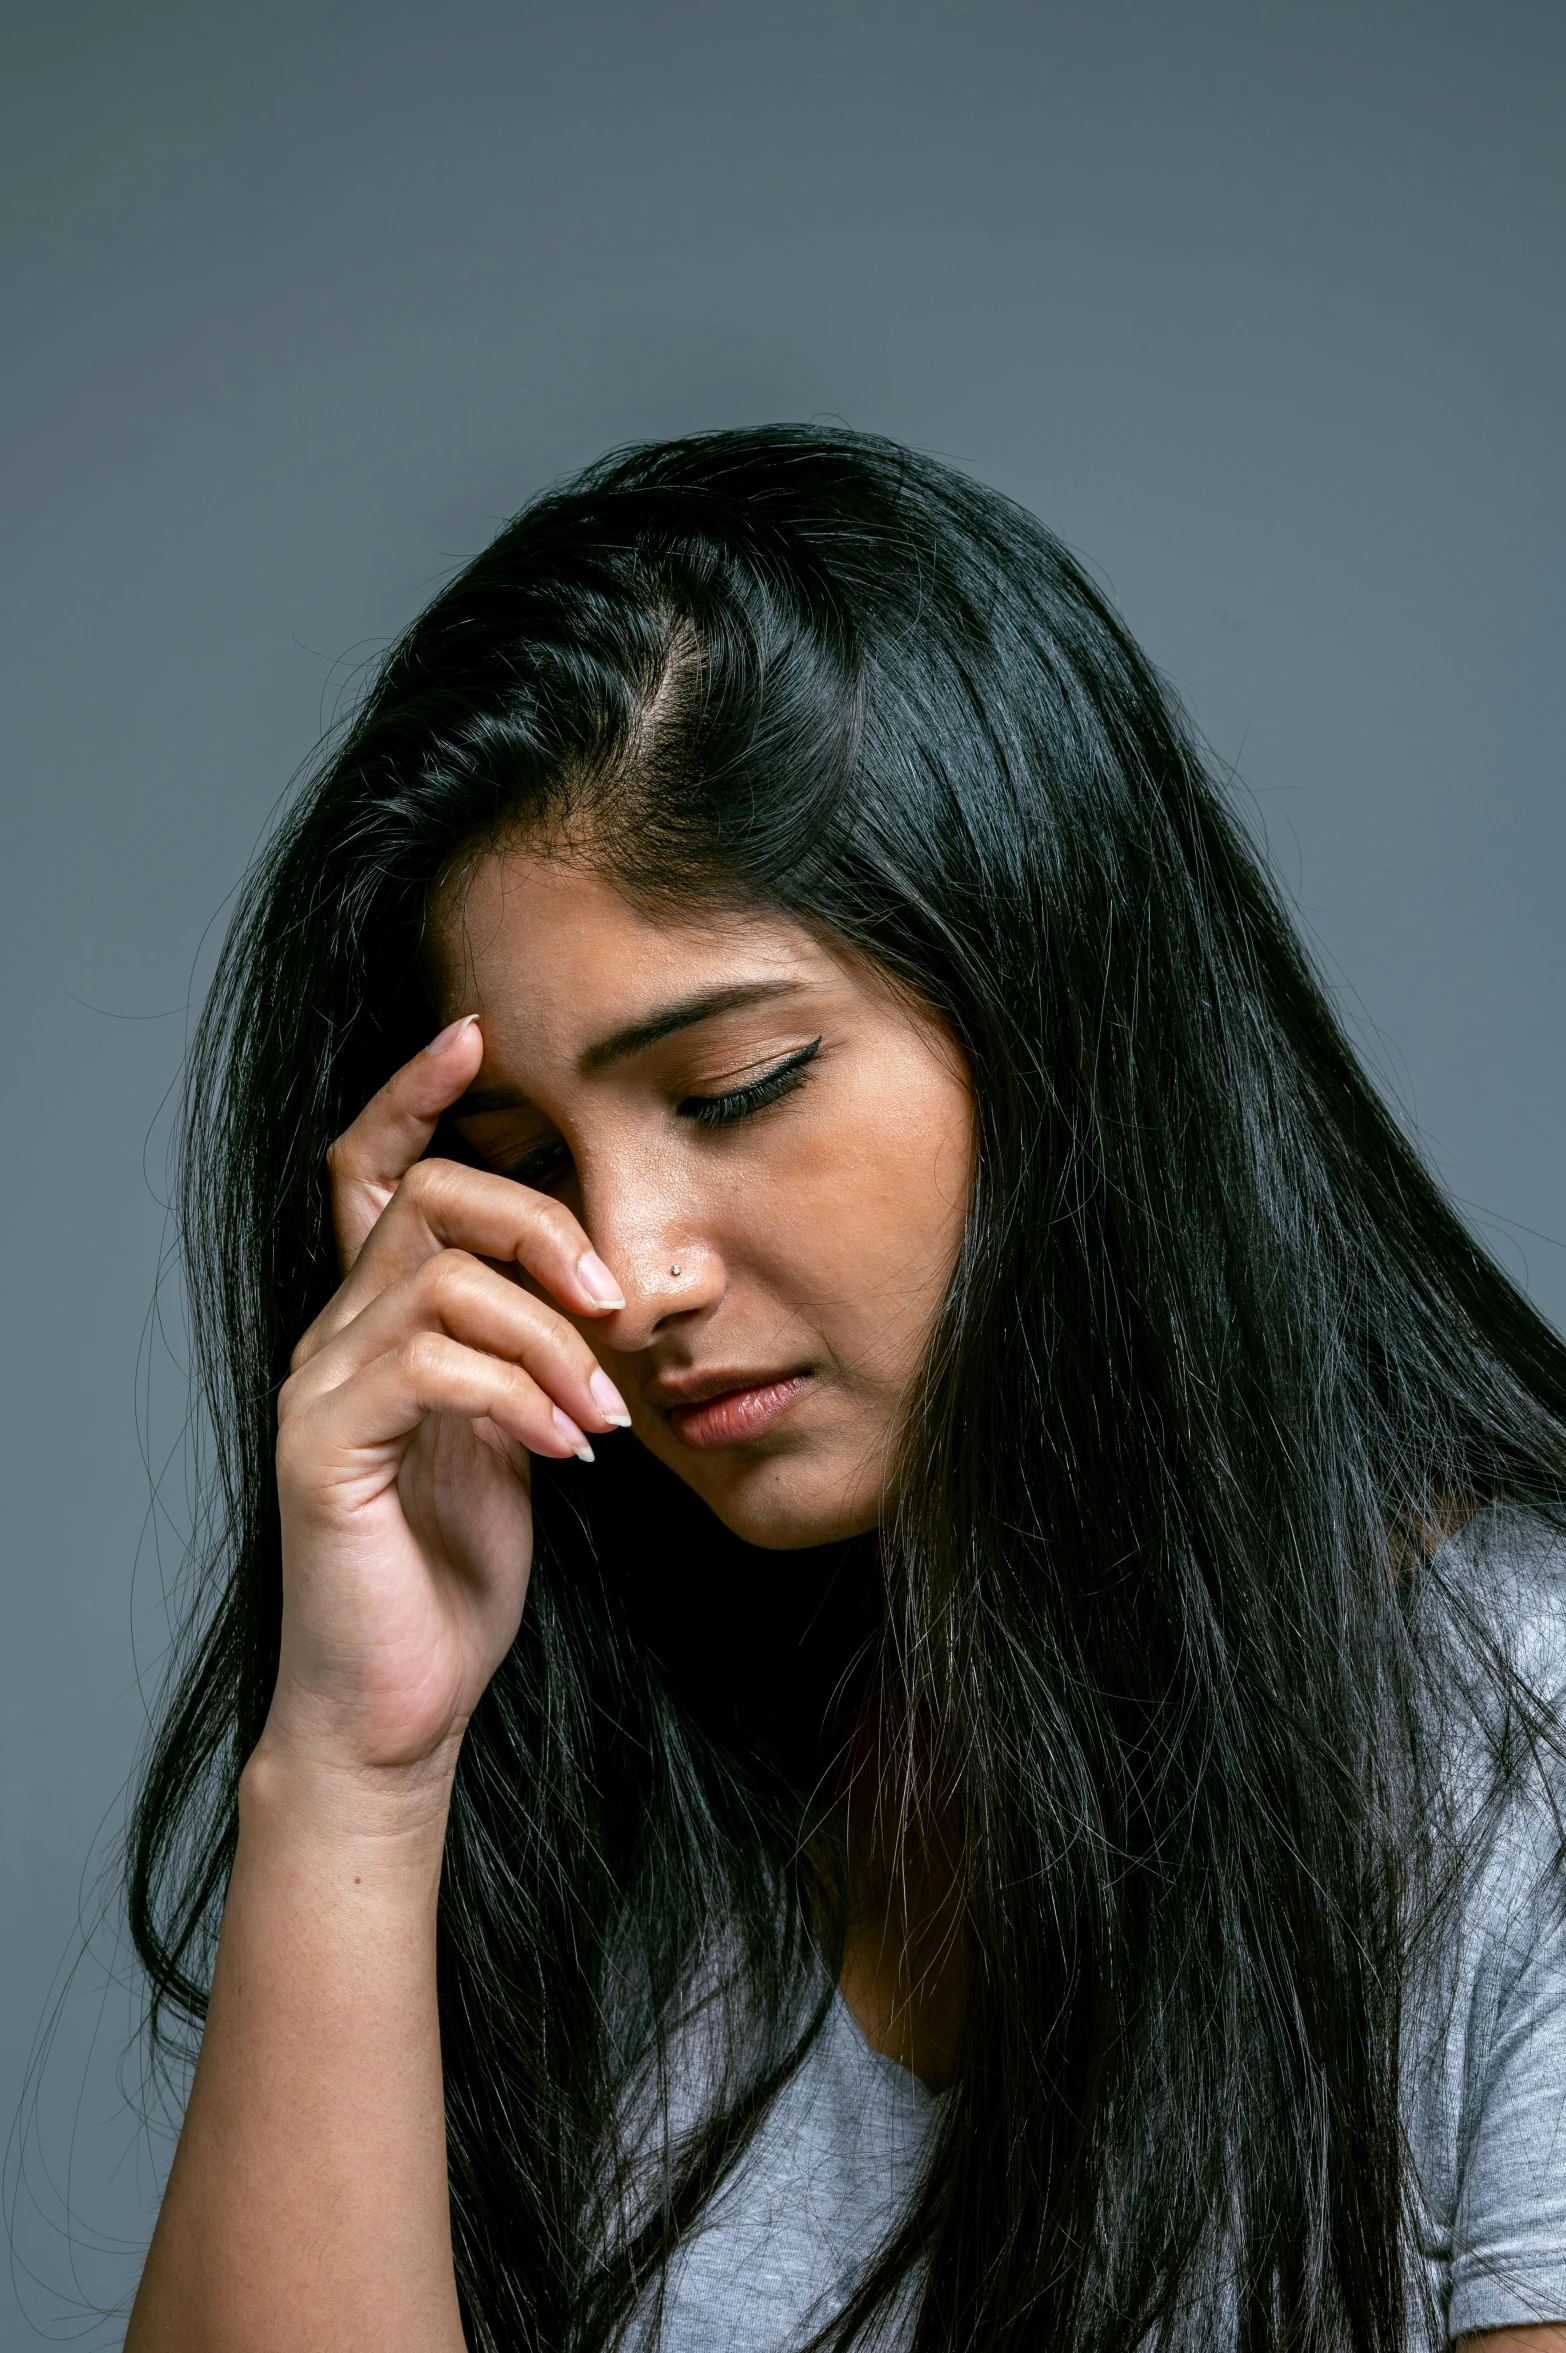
666, 1269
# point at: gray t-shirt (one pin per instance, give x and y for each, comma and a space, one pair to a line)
778, 2251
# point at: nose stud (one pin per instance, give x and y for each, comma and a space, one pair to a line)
674, 1270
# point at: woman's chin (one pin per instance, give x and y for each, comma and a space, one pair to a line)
785, 1504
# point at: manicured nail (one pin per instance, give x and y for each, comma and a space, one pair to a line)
576, 1439
597, 1281
608, 1400
450, 1034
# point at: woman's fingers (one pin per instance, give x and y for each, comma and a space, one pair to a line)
385, 1402
370, 1159
392, 1209
455, 1294
441, 1205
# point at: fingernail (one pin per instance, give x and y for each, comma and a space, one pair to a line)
450, 1034
597, 1281
608, 1400
576, 1439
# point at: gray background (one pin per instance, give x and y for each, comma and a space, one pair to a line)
1259, 306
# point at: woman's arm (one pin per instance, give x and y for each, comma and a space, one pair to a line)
307, 2207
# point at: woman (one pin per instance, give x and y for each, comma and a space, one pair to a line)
1019, 1809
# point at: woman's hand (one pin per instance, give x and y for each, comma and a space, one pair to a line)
308, 2202
405, 1428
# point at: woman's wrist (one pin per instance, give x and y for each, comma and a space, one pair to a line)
395, 1815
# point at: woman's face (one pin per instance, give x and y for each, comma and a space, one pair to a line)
728, 1098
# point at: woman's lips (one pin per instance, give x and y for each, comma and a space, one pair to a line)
736, 1415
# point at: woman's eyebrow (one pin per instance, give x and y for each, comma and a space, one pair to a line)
684, 1015
634, 1040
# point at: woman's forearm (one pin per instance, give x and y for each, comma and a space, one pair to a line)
307, 2205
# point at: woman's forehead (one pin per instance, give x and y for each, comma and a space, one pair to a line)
552, 944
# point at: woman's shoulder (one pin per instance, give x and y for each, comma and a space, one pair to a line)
1485, 2036
1494, 1783
1501, 1576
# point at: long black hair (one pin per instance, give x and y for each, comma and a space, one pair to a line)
1152, 1602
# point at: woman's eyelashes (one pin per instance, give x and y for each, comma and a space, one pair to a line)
755, 1095
544, 1166
549, 1163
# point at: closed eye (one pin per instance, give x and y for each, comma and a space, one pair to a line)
548, 1163
542, 1167
755, 1095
